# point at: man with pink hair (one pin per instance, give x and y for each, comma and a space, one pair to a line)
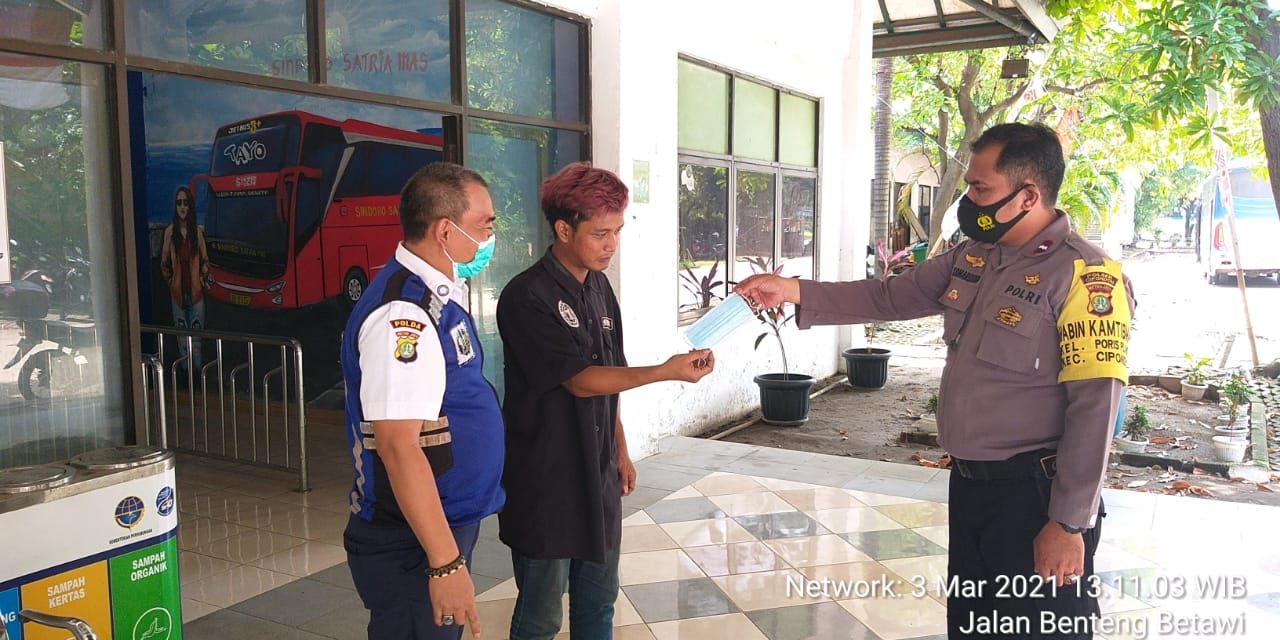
568, 467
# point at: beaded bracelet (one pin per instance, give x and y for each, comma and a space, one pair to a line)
448, 569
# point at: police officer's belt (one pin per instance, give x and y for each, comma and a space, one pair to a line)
1041, 463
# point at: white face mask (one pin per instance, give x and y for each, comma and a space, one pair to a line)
718, 323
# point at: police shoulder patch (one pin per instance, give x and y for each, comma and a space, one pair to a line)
407, 323
406, 349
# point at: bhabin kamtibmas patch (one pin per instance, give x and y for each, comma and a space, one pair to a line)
1093, 326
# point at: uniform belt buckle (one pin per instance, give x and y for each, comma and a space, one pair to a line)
1049, 465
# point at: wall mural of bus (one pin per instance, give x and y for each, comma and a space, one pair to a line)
299, 209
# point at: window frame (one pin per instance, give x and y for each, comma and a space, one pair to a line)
778, 169
112, 54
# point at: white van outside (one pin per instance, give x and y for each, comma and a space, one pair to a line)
1257, 225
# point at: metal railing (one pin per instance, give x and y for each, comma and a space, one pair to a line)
224, 405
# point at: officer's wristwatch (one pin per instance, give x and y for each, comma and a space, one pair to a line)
1070, 529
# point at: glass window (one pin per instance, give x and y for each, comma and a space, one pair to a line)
755, 120
60, 319
704, 227
514, 160
274, 221
77, 23
799, 203
753, 225
798, 131
772, 214
386, 47
703, 99
266, 37
522, 61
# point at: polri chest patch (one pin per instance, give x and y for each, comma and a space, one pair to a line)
462, 343
566, 313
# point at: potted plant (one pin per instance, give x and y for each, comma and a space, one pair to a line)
929, 421
1229, 449
867, 367
1235, 393
1194, 384
784, 397
1134, 437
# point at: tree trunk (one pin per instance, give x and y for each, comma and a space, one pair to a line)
880, 197
1270, 114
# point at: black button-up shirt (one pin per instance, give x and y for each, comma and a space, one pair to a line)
564, 499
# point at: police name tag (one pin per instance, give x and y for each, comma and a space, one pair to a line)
462, 343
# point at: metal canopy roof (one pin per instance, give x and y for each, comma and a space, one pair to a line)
906, 27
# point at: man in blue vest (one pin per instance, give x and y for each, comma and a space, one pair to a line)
423, 425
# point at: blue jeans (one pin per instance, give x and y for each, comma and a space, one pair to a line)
592, 588
189, 316
388, 566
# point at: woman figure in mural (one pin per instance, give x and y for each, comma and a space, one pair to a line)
184, 265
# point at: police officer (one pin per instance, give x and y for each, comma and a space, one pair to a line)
1036, 322
564, 368
423, 425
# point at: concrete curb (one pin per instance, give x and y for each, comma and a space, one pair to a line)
1258, 434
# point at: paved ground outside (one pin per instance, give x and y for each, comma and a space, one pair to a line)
1178, 312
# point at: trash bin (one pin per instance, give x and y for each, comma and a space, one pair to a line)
919, 252
94, 540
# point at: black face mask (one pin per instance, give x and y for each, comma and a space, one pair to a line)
979, 221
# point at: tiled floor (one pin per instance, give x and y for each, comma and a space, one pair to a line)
718, 539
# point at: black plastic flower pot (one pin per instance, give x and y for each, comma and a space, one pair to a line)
867, 367
784, 398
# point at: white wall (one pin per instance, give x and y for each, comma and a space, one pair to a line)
821, 48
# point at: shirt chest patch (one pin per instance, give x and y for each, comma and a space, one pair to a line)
566, 313
967, 276
977, 262
462, 343
606, 323
1022, 294
1009, 316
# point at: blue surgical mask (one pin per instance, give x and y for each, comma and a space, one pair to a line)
484, 252
717, 324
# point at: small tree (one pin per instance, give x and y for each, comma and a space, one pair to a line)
1236, 393
774, 319
1138, 425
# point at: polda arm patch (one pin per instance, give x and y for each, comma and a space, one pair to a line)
1094, 323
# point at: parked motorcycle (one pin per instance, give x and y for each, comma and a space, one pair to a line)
66, 280
60, 368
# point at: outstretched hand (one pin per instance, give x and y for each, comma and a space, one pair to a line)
690, 367
766, 291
